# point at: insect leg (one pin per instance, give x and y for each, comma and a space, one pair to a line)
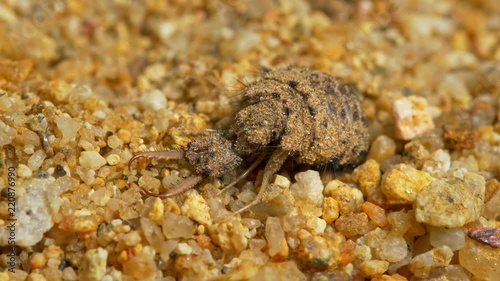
244, 175
273, 165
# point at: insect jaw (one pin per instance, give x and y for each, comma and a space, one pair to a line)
165, 155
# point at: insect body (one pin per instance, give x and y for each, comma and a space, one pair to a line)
305, 114
309, 114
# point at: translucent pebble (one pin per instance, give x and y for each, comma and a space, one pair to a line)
308, 210
376, 213
141, 266
99, 114
336, 275
422, 264
438, 164
274, 235
92, 160
154, 100
87, 175
100, 196
124, 135
38, 123
451, 237
195, 247
392, 248
116, 222
33, 213
386, 245
422, 26
481, 260
70, 274
167, 248
68, 127
417, 151
153, 234
400, 222
41, 174
29, 137
251, 223
29, 149
115, 141
422, 245
293, 242
257, 244
394, 267
246, 196
411, 117
85, 144
176, 226
183, 249
6, 133
449, 272
165, 29
170, 180
80, 223
491, 209
308, 187
247, 42
316, 225
113, 159
282, 182
207, 257
453, 86
24, 171
36, 160
38, 260
362, 252
294, 222
5, 103
382, 148
483, 112
93, 266
279, 271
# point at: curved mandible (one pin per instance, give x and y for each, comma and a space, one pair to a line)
165, 155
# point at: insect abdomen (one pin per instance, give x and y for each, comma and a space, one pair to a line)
315, 117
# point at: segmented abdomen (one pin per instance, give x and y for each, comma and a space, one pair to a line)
315, 117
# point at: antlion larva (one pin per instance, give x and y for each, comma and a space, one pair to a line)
303, 114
